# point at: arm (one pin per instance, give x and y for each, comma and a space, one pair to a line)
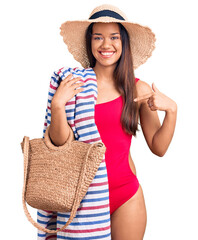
158, 137
59, 129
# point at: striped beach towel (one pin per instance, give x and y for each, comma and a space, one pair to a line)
92, 220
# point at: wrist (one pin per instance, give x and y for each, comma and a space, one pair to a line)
57, 105
172, 109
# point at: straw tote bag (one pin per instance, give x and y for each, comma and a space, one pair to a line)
58, 178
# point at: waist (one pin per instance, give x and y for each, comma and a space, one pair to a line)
119, 171
115, 145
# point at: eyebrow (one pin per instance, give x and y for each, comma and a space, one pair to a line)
101, 34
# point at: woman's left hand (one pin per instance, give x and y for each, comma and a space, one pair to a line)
158, 101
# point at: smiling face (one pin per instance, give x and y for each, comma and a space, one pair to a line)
106, 44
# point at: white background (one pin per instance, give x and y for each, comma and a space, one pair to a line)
31, 49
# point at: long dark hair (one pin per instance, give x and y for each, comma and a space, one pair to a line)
124, 79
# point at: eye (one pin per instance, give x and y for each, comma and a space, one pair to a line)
115, 38
97, 38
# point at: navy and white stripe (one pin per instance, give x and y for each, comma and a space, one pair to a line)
92, 219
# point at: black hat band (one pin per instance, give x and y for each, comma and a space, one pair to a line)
107, 13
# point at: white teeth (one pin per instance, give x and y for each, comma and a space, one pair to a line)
106, 53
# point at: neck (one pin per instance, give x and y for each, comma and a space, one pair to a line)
103, 73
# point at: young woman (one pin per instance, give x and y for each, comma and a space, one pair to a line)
122, 99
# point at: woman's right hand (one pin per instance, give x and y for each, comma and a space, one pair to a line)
67, 90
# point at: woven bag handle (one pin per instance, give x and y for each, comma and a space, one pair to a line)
25, 146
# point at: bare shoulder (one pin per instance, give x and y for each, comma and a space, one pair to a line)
143, 88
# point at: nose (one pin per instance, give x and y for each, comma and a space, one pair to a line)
106, 43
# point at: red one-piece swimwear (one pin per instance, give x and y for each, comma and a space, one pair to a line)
123, 184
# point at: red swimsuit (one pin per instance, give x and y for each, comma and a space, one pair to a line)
123, 184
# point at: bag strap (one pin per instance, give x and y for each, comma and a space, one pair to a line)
25, 147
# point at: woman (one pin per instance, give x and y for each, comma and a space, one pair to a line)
120, 97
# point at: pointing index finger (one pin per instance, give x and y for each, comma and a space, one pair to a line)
143, 97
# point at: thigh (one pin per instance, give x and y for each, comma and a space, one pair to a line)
128, 222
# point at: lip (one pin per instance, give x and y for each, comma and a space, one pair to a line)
109, 54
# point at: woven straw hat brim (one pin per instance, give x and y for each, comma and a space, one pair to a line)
142, 39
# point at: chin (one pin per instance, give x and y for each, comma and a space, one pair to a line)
107, 63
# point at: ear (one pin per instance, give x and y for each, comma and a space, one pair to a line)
154, 88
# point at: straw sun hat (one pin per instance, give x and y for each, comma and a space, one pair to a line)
142, 39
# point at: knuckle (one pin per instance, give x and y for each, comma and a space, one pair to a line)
70, 75
61, 83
